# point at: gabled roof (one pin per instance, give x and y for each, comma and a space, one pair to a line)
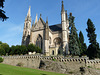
42, 20
56, 27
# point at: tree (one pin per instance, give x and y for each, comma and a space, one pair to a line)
18, 50
83, 46
23, 50
93, 49
12, 50
0, 42
5, 46
31, 48
73, 38
2, 51
2, 13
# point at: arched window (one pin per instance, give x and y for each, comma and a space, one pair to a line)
52, 52
39, 41
57, 41
49, 40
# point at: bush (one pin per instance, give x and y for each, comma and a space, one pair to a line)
20, 64
1, 59
70, 72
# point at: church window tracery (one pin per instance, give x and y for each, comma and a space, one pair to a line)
57, 41
39, 41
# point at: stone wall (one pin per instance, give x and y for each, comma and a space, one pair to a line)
33, 61
93, 63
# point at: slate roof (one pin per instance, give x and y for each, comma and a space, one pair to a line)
56, 27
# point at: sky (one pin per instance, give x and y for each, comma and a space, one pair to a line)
11, 30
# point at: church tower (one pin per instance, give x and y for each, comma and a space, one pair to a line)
65, 26
27, 29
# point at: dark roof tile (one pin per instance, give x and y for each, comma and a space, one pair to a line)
56, 27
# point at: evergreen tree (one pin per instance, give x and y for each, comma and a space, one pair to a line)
93, 49
83, 46
73, 37
2, 13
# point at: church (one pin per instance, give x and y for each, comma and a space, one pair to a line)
52, 39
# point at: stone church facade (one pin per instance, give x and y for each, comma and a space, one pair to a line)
53, 39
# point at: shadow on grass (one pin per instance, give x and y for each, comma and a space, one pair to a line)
43, 74
1, 74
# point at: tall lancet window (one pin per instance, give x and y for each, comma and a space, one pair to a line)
39, 41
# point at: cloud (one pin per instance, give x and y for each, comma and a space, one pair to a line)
16, 28
11, 33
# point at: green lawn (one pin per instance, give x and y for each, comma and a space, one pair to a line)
14, 70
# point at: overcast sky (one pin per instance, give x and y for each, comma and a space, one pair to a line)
11, 30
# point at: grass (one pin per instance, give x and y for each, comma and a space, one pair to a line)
14, 70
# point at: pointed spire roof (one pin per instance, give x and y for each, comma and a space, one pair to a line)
47, 20
29, 11
36, 19
62, 10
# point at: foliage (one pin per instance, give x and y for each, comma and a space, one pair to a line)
18, 50
83, 46
12, 50
53, 59
32, 48
73, 38
15, 70
93, 50
38, 50
2, 13
2, 51
1, 59
5, 46
89, 66
0, 42
20, 64
70, 72
23, 49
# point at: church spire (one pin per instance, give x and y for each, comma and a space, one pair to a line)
62, 10
29, 12
36, 19
47, 20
